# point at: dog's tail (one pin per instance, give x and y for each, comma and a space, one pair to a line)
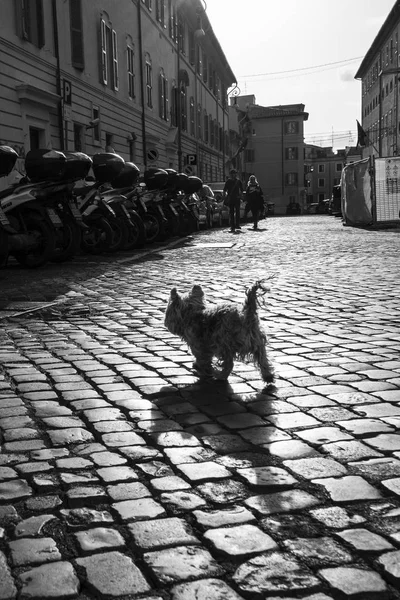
252, 301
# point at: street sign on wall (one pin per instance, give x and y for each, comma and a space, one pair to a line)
191, 159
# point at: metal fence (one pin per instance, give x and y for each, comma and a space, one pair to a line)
386, 190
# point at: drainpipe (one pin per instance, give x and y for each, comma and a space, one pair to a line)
142, 84
58, 75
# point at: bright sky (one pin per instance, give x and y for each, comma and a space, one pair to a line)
303, 38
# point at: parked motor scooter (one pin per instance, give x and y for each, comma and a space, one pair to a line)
27, 227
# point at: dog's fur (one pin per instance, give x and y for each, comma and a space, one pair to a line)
224, 332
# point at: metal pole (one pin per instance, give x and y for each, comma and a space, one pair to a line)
380, 115
178, 108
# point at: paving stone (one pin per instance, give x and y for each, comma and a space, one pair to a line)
55, 580
116, 474
99, 538
390, 563
32, 527
319, 551
228, 516
23, 446
284, 526
108, 459
349, 489
43, 503
293, 420
355, 582
286, 501
169, 484
392, 485
49, 453
160, 533
309, 468
7, 473
291, 449
14, 489
275, 572
26, 551
84, 517
128, 491
85, 496
205, 589
377, 468
387, 442
310, 401
365, 541
139, 510
64, 437
353, 398
113, 574
180, 456
263, 435
170, 439
267, 477
8, 591
240, 540
13, 422
182, 500
272, 407
381, 409
140, 453
349, 451
156, 468
181, 563
323, 435
223, 492
364, 427
63, 422
112, 426
204, 471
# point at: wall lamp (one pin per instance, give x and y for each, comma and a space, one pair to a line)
200, 10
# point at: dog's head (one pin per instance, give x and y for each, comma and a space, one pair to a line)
181, 309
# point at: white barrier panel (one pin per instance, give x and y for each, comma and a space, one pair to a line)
387, 189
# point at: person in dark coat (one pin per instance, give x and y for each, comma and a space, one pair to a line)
233, 191
255, 199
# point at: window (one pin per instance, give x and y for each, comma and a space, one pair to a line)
183, 108
199, 132
291, 179
321, 196
249, 155
205, 69
160, 12
338, 167
192, 48
148, 4
79, 138
206, 127
163, 95
174, 105
30, 24
336, 181
109, 55
211, 73
211, 128
149, 81
96, 128
321, 182
321, 168
291, 153
181, 33
130, 57
192, 116
292, 127
198, 61
75, 10
172, 20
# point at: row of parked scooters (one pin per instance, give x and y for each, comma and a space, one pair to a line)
58, 211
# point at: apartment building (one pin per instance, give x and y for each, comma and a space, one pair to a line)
322, 170
146, 78
273, 148
379, 73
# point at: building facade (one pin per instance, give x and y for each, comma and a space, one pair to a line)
145, 78
273, 148
322, 170
379, 73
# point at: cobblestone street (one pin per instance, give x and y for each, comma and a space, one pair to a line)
122, 476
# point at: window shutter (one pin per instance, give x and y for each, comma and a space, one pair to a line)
77, 55
115, 59
103, 53
160, 95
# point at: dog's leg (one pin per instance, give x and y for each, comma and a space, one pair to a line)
263, 363
227, 366
203, 364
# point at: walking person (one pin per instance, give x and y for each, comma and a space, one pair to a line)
255, 199
233, 192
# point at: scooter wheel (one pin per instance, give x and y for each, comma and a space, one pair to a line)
42, 249
69, 242
97, 237
3, 247
137, 233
